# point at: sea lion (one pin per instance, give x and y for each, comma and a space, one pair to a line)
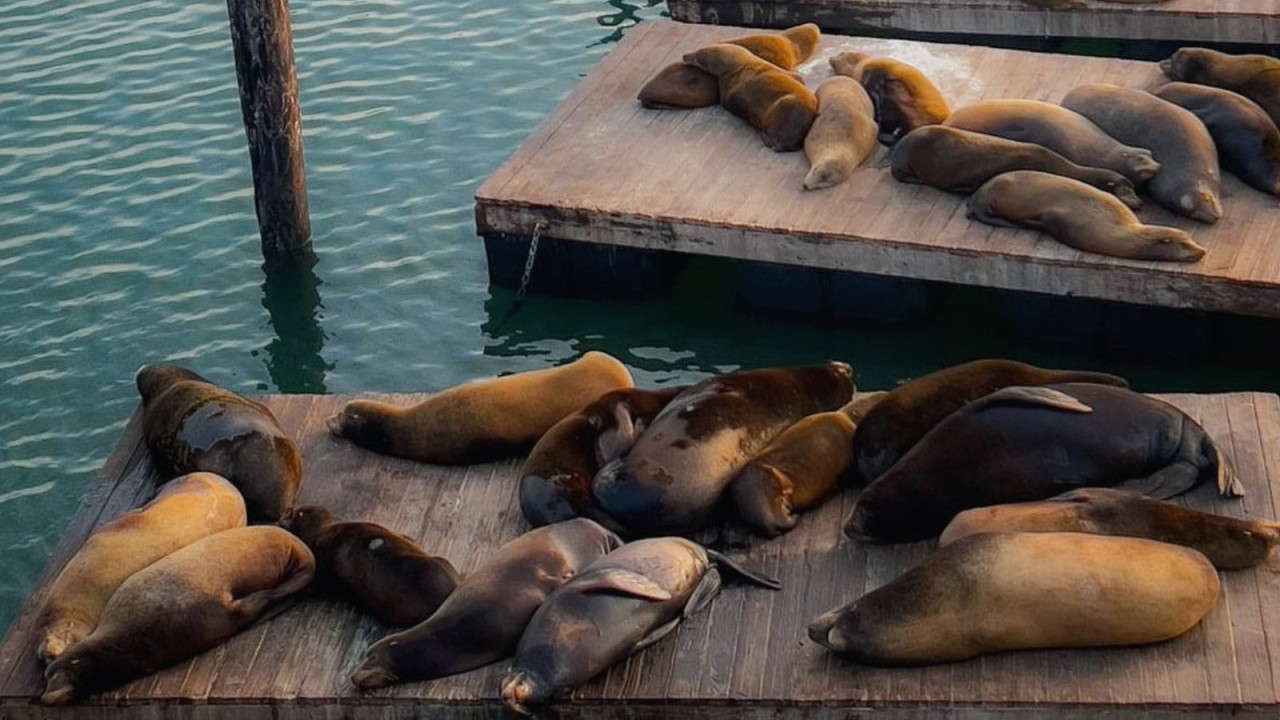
482, 620
912, 409
681, 86
799, 469
384, 573
903, 96
1247, 139
622, 602
481, 421
1077, 215
1256, 77
189, 425
1189, 180
186, 509
1067, 133
555, 480
843, 136
1031, 443
1015, 591
672, 480
772, 101
181, 605
959, 161
1228, 543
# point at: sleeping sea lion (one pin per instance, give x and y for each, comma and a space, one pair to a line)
672, 480
1077, 215
186, 509
1015, 591
555, 480
1189, 180
1031, 443
772, 101
481, 421
1067, 133
912, 409
1228, 543
189, 425
1256, 77
181, 605
384, 573
482, 620
622, 602
960, 161
1247, 139
903, 96
843, 136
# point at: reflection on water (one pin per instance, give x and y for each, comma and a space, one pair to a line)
291, 295
626, 16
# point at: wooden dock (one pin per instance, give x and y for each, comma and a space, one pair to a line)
1216, 21
602, 169
747, 656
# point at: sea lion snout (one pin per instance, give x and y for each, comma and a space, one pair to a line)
522, 693
855, 527
371, 678
822, 630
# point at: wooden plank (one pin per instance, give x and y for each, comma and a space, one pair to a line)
1244, 21
700, 182
745, 656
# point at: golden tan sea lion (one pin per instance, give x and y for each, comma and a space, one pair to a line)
187, 509
903, 96
843, 136
1078, 215
484, 420
1256, 77
772, 101
1014, 591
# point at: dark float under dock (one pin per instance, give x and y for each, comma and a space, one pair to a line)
747, 656
631, 188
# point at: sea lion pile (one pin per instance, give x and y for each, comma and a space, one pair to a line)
1046, 486
1071, 170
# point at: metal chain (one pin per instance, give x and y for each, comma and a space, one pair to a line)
538, 227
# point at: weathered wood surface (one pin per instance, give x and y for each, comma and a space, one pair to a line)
1224, 21
747, 656
602, 169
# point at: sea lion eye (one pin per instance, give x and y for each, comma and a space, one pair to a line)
1166, 241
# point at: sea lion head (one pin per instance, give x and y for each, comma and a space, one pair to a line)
762, 496
721, 58
1202, 204
82, 670
524, 692
1185, 64
364, 422
846, 63
307, 521
835, 629
1166, 243
375, 671
805, 38
155, 379
1140, 164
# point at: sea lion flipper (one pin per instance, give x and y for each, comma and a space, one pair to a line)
1228, 483
1041, 397
658, 633
741, 572
1168, 482
702, 595
618, 581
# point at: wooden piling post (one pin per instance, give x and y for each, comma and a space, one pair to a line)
262, 42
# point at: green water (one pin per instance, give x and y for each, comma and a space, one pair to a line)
127, 235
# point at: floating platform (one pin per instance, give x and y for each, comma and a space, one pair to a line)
602, 169
1214, 21
746, 656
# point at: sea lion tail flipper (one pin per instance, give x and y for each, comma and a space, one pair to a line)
702, 595
622, 582
1168, 482
1228, 482
1041, 397
741, 572
658, 633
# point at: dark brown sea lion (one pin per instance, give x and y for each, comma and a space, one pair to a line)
1015, 591
771, 100
1067, 133
960, 161
1021, 444
187, 509
1256, 77
1077, 215
672, 480
481, 421
181, 605
843, 136
190, 425
904, 97
1189, 180
384, 573
681, 86
799, 469
622, 602
555, 480
1228, 543
1247, 139
896, 423
482, 620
